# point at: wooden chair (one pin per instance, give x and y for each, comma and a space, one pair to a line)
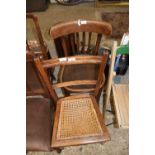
67, 41
38, 46
34, 86
34, 48
77, 118
38, 110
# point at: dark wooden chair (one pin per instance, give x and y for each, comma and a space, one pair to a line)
80, 37
77, 118
34, 86
38, 124
38, 110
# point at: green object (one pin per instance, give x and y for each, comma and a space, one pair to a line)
123, 49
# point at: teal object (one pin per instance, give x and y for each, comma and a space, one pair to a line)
123, 49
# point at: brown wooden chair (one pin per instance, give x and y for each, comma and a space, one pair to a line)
38, 110
77, 118
34, 86
80, 37
37, 46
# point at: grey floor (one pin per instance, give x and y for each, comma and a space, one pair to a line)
54, 14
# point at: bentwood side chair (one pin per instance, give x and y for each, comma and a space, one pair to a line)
79, 37
77, 118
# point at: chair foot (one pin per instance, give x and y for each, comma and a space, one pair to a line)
58, 150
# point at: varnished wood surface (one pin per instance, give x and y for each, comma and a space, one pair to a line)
39, 35
70, 60
79, 37
73, 26
74, 37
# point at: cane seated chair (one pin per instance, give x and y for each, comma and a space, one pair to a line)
80, 37
77, 118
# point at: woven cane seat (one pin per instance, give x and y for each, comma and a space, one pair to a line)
77, 122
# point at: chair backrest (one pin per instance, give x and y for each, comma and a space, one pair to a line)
77, 37
34, 85
39, 36
43, 65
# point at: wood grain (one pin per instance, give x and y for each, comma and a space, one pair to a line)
121, 103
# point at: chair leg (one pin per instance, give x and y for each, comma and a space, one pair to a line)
58, 150
99, 94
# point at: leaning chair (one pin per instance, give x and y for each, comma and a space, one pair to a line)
77, 118
119, 93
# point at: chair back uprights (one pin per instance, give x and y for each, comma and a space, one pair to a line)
78, 37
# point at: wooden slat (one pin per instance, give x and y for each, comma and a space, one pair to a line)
79, 60
121, 104
72, 42
101, 69
77, 41
99, 37
83, 41
59, 48
74, 83
64, 45
89, 41
35, 92
65, 28
110, 76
